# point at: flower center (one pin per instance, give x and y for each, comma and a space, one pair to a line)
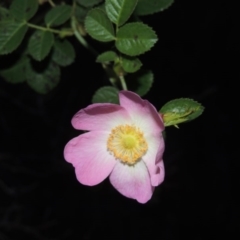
127, 144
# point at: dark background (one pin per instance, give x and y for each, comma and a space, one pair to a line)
197, 56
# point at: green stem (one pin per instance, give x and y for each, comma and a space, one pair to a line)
49, 29
51, 3
113, 78
111, 75
123, 82
80, 38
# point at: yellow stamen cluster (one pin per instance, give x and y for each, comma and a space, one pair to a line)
127, 144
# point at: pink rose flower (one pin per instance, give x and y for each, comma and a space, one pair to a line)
124, 142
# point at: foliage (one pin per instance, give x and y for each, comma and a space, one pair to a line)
41, 34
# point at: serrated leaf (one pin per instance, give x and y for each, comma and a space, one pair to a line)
23, 9
58, 15
135, 38
130, 64
180, 110
119, 11
63, 53
99, 26
106, 95
43, 80
140, 82
145, 7
11, 35
4, 13
108, 56
16, 73
89, 3
40, 44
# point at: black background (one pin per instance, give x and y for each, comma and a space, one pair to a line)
197, 56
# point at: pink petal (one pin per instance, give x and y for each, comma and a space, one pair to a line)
158, 177
89, 156
154, 153
100, 116
143, 113
132, 181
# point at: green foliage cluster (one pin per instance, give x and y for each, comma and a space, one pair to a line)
41, 39
40, 50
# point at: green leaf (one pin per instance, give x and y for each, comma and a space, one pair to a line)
80, 13
102, 7
16, 73
58, 15
23, 9
119, 11
180, 110
106, 95
43, 80
40, 44
63, 53
135, 38
4, 14
89, 3
140, 82
11, 35
108, 56
145, 7
99, 26
130, 64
